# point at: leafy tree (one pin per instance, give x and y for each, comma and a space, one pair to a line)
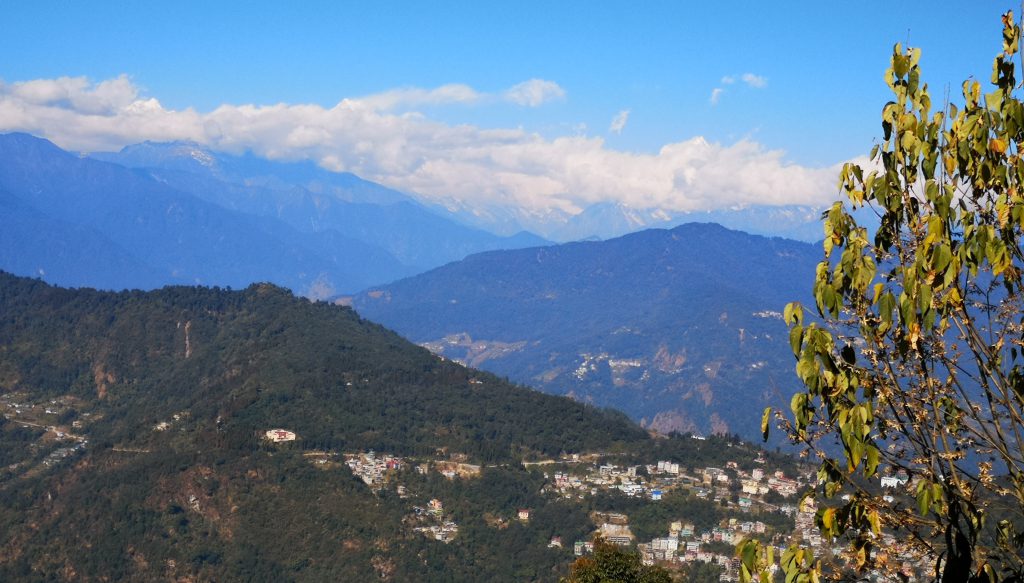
915, 364
701, 572
611, 564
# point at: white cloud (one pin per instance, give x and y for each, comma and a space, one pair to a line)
753, 80
750, 79
619, 122
534, 92
409, 151
103, 98
415, 97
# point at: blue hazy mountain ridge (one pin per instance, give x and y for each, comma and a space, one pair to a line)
131, 221
679, 328
250, 169
285, 213
314, 200
32, 243
212, 219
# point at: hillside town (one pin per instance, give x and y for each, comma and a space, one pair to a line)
576, 477
682, 542
56, 423
765, 504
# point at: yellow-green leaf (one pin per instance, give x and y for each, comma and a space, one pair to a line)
765, 418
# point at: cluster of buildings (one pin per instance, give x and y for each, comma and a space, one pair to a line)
372, 468
19, 409
899, 555
683, 545
433, 523
375, 468
747, 489
605, 477
165, 425
653, 481
62, 453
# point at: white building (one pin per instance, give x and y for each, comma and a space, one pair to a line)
279, 435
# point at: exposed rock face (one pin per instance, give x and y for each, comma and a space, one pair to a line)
718, 425
669, 421
103, 379
668, 362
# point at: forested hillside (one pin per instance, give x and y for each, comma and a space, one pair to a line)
133, 444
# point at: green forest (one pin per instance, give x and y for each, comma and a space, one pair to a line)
167, 395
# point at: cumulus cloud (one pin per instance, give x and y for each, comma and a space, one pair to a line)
619, 122
92, 116
373, 138
534, 92
716, 94
75, 92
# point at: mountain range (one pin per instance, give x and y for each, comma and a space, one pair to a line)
681, 329
313, 200
132, 442
153, 214
157, 214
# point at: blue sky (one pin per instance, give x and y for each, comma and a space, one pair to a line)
814, 90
